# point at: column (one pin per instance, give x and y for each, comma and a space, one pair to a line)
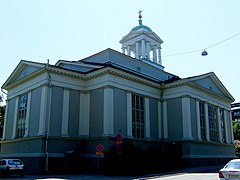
155, 54
206, 121
137, 50
159, 120
84, 114
231, 128
186, 118
143, 49
129, 115
198, 121
43, 110
108, 112
123, 50
165, 124
65, 113
159, 56
129, 50
5, 121
15, 118
147, 118
219, 125
148, 51
28, 114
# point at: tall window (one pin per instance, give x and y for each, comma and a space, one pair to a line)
213, 124
137, 116
22, 112
222, 125
202, 120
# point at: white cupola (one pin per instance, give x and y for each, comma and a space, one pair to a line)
143, 44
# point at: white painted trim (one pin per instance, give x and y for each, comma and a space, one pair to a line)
143, 48
219, 125
159, 120
43, 110
5, 121
227, 127
147, 118
28, 114
15, 118
186, 118
165, 120
206, 122
65, 112
129, 115
84, 114
198, 121
231, 127
108, 111
196, 94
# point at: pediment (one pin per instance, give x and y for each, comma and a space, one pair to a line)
23, 69
211, 83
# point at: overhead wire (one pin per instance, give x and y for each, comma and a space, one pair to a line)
204, 49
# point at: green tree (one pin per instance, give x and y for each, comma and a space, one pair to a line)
236, 130
2, 113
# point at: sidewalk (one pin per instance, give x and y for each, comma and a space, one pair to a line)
102, 177
181, 171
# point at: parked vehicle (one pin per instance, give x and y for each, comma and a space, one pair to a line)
11, 166
231, 171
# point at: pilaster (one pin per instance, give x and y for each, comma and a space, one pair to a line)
5, 121
147, 118
159, 120
84, 114
65, 113
227, 127
28, 114
231, 127
165, 123
43, 110
15, 118
129, 114
207, 122
186, 118
198, 121
108, 112
219, 125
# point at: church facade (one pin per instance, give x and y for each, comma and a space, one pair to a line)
72, 106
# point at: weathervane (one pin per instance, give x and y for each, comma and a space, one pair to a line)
140, 15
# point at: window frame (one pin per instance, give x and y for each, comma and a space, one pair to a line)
21, 117
138, 117
213, 123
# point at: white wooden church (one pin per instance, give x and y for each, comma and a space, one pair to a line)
73, 106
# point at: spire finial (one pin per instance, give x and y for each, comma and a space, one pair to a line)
140, 17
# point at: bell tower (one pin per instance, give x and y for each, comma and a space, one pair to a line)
143, 44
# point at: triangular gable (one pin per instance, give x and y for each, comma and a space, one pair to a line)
23, 69
211, 82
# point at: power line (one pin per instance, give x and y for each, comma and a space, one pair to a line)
188, 52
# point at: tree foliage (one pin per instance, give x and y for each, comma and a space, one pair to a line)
2, 113
236, 130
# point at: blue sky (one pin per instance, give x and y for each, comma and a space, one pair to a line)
73, 29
